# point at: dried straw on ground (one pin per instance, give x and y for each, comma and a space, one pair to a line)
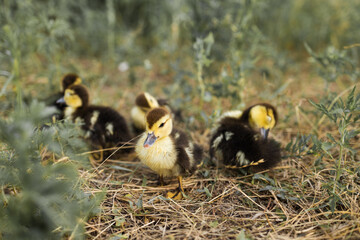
219, 204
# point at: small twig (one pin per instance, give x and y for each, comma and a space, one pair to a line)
104, 230
142, 226
96, 169
280, 205
221, 195
105, 149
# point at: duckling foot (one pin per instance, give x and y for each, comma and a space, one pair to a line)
176, 196
97, 157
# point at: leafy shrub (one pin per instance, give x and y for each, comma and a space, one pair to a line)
41, 198
336, 148
333, 64
345, 115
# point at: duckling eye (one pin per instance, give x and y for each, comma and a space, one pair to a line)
161, 125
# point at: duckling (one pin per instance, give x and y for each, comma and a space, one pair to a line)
167, 150
235, 142
144, 103
67, 81
104, 127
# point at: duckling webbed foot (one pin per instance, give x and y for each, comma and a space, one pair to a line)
175, 195
178, 195
97, 156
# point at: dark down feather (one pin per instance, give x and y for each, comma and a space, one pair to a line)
98, 131
240, 137
182, 142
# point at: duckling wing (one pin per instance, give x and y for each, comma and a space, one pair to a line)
189, 155
240, 146
93, 131
112, 124
96, 136
105, 127
184, 161
234, 144
180, 138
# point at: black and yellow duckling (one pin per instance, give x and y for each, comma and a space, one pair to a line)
166, 150
235, 142
67, 81
104, 127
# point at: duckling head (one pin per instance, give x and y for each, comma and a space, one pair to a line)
69, 80
145, 101
75, 97
263, 117
158, 126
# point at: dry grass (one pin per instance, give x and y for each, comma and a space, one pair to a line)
136, 208
220, 204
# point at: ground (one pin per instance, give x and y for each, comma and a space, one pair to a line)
287, 202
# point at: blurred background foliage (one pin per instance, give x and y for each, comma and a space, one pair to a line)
119, 29
268, 35
87, 26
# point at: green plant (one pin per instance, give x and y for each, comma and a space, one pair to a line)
202, 49
334, 64
293, 23
41, 198
345, 116
12, 51
299, 147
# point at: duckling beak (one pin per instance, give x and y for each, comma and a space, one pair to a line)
264, 133
61, 100
150, 140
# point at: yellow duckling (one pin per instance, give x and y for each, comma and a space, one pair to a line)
144, 102
166, 150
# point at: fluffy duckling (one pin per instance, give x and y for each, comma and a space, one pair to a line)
166, 150
67, 81
236, 143
104, 127
144, 102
